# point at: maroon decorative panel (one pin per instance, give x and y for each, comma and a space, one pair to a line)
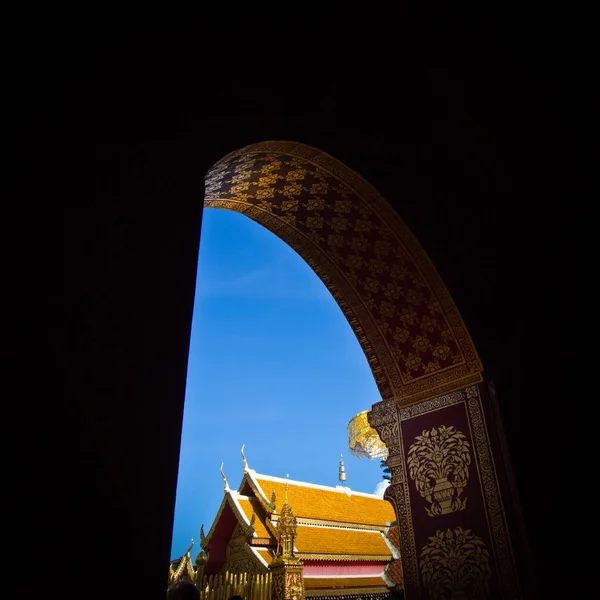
453, 531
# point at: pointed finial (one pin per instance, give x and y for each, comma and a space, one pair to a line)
224, 478
244, 459
287, 476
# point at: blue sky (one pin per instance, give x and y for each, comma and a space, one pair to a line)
273, 365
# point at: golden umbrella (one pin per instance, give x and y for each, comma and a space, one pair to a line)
363, 440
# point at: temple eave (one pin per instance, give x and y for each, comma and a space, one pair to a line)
352, 557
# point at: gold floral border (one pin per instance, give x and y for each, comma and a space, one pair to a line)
386, 371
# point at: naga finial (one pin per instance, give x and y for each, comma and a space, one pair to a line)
224, 478
244, 459
202, 536
190, 548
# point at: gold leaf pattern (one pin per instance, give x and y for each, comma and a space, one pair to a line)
351, 237
455, 564
438, 462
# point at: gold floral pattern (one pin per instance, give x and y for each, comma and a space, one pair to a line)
365, 255
455, 564
438, 462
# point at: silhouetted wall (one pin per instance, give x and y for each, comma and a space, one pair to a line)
456, 144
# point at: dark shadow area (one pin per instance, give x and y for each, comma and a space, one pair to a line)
458, 126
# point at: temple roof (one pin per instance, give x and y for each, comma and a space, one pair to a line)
336, 529
311, 501
252, 506
341, 541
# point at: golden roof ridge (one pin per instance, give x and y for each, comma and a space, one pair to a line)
229, 499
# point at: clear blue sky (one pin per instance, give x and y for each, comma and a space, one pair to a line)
273, 365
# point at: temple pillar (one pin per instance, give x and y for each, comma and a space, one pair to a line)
448, 492
288, 581
201, 561
287, 569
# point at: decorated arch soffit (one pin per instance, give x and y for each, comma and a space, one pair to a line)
393, 297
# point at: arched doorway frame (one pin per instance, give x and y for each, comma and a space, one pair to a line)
417, 345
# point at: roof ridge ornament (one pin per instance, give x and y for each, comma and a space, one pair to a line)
226, 488
244, 459
190, 548
342, 471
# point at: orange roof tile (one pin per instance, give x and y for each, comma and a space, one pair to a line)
346, 582
250, 506
325, 540
265, 555
312, 502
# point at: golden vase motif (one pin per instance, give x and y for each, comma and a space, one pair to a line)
442, 493
438, 462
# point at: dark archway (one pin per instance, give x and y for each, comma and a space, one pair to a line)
484, 112
422, 358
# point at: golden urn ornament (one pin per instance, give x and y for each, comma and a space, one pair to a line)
438, 462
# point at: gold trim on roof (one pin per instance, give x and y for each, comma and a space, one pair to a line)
258, 491
206, 541
337, 524
323, 593
323, 582
358, 557
240, 516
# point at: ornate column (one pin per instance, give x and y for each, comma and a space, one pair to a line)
447, 493
288, 580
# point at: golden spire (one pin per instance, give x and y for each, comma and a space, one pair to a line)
286, 529
224, 478
342, 473
244, 459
